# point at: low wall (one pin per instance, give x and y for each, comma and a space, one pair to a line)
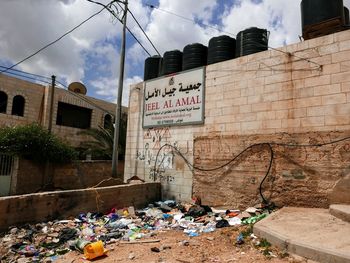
31, 208
76, 175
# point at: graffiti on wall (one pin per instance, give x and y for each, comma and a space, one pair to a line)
155, 154
154, 140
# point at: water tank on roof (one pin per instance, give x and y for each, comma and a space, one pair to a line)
316, 11
152, 67
346, 16
172, 62
194, 55
251, 40
221, 48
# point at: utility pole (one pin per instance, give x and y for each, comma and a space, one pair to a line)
53, 83
119, 98
47, 180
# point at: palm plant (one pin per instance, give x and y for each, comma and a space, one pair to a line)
101, 145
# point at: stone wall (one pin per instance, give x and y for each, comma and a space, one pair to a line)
299, 176
76, 175
33, 208
299, 93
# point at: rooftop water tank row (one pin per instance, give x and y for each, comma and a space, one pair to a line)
322, 17
221, 48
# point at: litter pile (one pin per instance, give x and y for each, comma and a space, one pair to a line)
90, 233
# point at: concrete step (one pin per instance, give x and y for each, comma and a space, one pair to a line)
340, 211
308, 232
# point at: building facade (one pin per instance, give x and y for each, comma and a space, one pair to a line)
23, 102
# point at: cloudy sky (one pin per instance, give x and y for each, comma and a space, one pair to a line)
90, 54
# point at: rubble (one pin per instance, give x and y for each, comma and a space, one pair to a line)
89, 233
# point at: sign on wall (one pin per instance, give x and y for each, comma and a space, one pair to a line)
174, 100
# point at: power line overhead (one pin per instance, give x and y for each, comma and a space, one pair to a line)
53, 42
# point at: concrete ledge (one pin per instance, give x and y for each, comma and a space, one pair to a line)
340, 211
310, 233
31, 208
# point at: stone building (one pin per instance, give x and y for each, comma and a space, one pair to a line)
285, 112
23, 102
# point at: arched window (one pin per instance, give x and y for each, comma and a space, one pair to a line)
18, 105
107, 121
3, 102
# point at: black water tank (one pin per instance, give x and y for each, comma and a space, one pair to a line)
153, 67
316, 11
221, 48
251, 40
172, 62
346, 16
194, 56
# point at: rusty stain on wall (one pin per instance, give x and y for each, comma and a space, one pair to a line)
300, 176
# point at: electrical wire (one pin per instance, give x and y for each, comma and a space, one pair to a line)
53, 42
116, 16
82, 97
192, 167
269, 144
188, 19
258, 44
18, 73
143, 31
27, 77
24, 72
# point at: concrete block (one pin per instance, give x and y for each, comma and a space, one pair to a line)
281, 114
337, 120
328, 49
334, 99
307, 102
312, 121
318, 81
264, 106
327, 89
344, 45
342, 36
297, 113
271, 124
282, 105
345, 66
321, 41
245, 108
266, 115
340, 56
316, 111
309, 234
288, 123
340, 211
251, 125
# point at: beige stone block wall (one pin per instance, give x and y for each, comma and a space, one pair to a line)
142, 148
296, 90
39, 207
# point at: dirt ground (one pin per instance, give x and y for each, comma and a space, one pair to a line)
175, 246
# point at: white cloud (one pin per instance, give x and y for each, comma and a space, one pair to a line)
26, 26
91, 53
281, 18
108, 88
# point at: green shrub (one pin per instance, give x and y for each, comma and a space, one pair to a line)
35, 143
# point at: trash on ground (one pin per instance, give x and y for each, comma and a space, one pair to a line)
90, 233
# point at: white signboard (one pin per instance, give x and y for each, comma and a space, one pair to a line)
174, 100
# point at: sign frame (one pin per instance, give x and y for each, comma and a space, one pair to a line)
174, 124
